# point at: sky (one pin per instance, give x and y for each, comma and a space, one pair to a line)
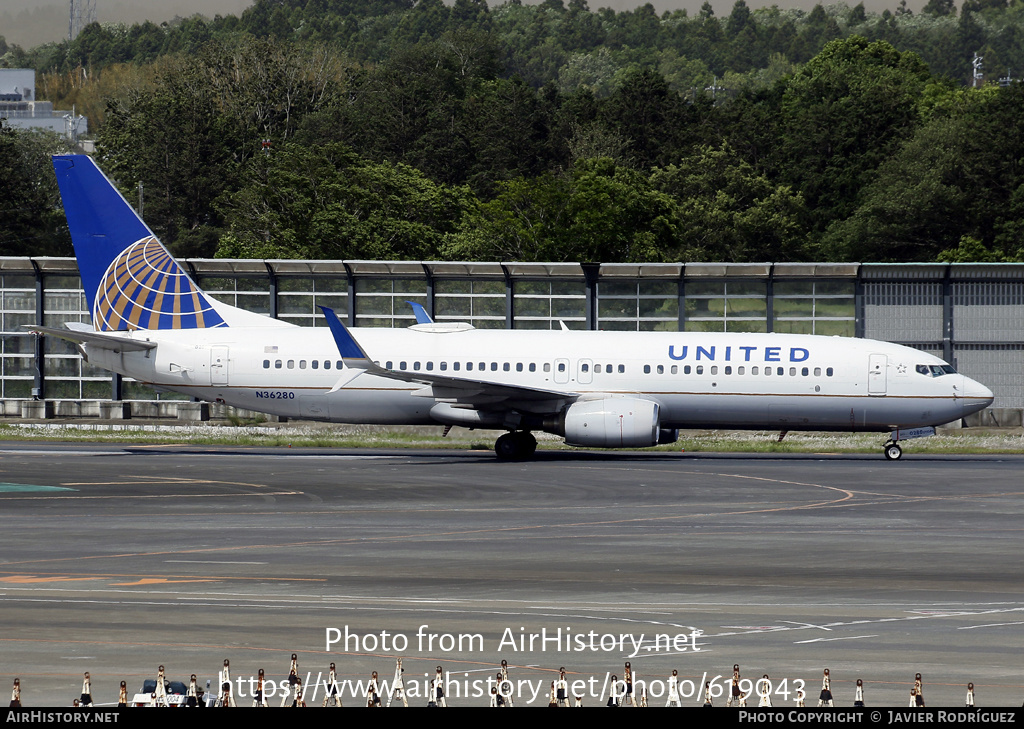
31, 22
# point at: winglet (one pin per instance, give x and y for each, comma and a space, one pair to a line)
351, 353
422, 317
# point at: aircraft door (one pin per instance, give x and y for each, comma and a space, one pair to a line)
584, 371
877, 366
218, 365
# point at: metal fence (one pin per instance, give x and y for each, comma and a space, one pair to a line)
971, 315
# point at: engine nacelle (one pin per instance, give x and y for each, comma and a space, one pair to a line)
613, 422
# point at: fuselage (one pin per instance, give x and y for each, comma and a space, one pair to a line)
699, 380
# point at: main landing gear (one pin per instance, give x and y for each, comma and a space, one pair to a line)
515, 446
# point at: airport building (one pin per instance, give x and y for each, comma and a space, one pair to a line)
971, 315
18, 105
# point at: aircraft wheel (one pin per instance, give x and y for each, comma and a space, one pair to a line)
508, 447
528, 443
515, 446
892, 452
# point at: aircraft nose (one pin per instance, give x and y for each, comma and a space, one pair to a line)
976, 395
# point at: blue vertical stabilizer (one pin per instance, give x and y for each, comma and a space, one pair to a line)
130, 279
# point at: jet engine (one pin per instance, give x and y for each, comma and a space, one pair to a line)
612, 422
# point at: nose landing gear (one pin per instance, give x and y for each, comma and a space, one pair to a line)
891, 449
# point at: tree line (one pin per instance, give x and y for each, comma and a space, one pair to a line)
554, 133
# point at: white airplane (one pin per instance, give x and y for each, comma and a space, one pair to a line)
595, 389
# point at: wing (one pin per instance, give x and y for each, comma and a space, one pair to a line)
457, 391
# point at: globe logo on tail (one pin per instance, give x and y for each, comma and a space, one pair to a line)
145, 288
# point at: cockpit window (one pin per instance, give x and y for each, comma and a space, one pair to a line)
935, 370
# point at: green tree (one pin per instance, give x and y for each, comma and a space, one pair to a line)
644, 111
738, 19
957, 178
596, 212
939, 8
173, 140
843, 114
329, 203
594, 71
729, 212
31, 218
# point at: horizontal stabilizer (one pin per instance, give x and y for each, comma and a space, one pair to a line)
94, 339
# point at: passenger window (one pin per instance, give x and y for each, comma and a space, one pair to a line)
291, 364
728, 370
302, 364
622, 369
455, 366
402, 365
327, 364
416, 366
767, 371
781, 371
277, 365
315, 364
647, 369
584, 367
740, 370
547, 366
339, 364
482, 366
714, 369
661, 369
753, 370
828, 372
792, 371
817, 371
506, 367
686, 369
700, 369
494, 366
519, 366
444, 366
430, 366
533, 367
561, 366
266, 364
469, 367
805, 372
597, 369
675, 369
